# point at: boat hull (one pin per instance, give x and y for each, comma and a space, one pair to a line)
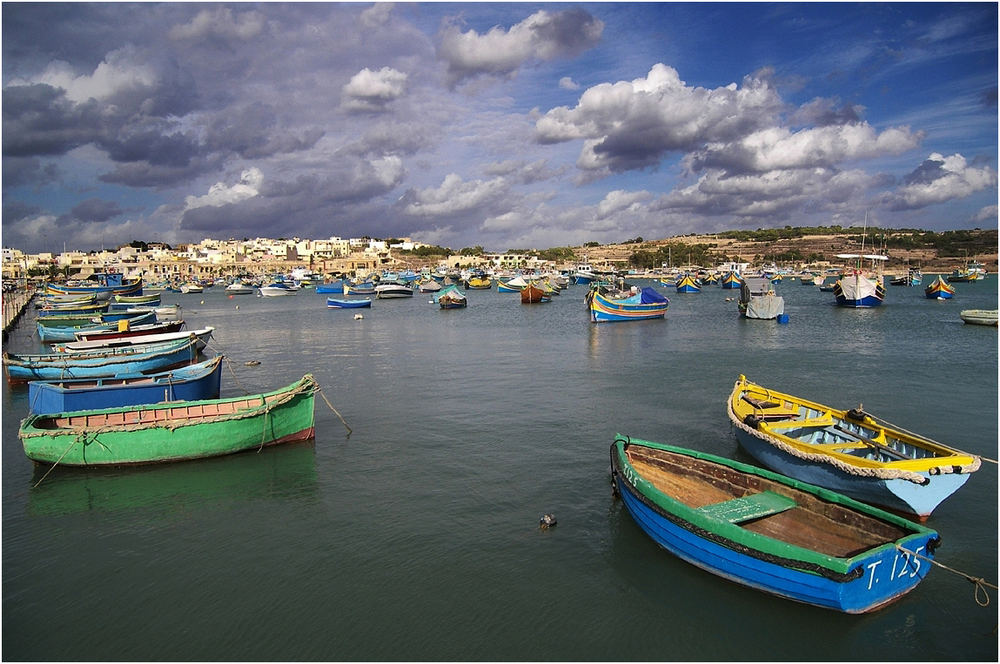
191, 383
869, 581
607, 310
858, 292
979, 317
172, 432
333, 303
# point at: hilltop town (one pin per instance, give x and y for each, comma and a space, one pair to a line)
335, 256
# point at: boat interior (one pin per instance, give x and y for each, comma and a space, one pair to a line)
156, 414
761, 505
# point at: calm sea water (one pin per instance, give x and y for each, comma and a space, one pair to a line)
417, 538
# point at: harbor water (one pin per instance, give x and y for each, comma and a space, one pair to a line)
416, 536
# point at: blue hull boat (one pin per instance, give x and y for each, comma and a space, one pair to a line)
126, 360
645, 305
332, 287
190, 383
58, 333
334, 303
770, 532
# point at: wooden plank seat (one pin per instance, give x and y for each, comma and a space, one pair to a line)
750, 507
771, 410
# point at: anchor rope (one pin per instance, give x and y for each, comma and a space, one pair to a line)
980, 583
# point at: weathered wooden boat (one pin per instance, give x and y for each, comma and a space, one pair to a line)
126, 329
534, 294
200, 336
193, 382
173, 431
130, 359
43, 300
939, 290
73, 320
965, 275
687, 284
334, 303
163, 312
512, 285
848, 451
450, 297
149, 300
644, 305
770, 532
979, 316
54, 334
386, 290
913, 277
106, 285
361, 288
758, 299
428, 285
479, 282
72, 309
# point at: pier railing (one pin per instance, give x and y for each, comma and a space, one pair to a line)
14, 304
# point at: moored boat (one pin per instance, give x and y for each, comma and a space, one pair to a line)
731, 280
334, 303
770, 532
200, 337
979, 316
238, 287
189, 383
277, 289
513, 285
334, 287
128, 330
386, 290
687, 284
939, 289
450, 297
20, 368
534, 294
173, 431
59, 333
848, 451
758, 299
858, 290
646, 304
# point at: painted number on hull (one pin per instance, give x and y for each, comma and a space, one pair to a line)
904, 566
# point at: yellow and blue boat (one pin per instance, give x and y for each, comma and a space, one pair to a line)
939, 290
644, 305
688, 285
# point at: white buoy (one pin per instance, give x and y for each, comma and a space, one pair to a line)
237, 307
358, 317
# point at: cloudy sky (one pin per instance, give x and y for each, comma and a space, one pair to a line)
502, 125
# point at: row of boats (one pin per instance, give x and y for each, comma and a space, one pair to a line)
837, 520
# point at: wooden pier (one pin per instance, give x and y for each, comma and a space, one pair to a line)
14, 306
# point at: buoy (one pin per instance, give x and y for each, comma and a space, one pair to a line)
237, 306
230, 297
252, 363
358, 316
547, 521
202, 302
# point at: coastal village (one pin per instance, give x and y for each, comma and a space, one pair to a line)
260, 257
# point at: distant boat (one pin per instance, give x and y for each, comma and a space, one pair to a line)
646, 304
57, 333
848, 451
767, 531
192, 287
361, 288
428, 285
731, 280
939, 289
172, 431
393, 289
127, 330
336, 286
479, 282
687, 285
828, 284
979, 316
189, 383
758, 299
200, 336
858, 289
513, 285
149, 300
334, 303
450, 297
277, 289
913, 277
239, 288
584, 275
964, 275
534, 294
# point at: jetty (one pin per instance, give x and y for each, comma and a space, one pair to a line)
14, 305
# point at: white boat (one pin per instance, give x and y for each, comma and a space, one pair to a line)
191, 288
758, 299
979, 316
239, 288
167, 312
202, 335
278, 288
393, 289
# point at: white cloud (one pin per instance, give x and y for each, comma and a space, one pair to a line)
542, 36
939, 179
377, 14
567, 83
221, 194
370, 90
220, 23
454, 195
119, 71
621, 201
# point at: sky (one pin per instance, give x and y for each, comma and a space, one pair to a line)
505, 126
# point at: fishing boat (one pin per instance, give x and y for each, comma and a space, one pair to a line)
857, 289
709, 279
334, 287
979, 316
450, 297
59, 333
124, 329
479, 282
964, 275
758, 299
913, 277
44, 300
534, 294
192, 287
386, 290
334, 303
687, 284
201, 338
160, 433
189, 383
149, 300
277, 289
238, 287
107, 284
829, 283
849, 451
584, 274
428, 285
20, 368
646, 304
72, 309
731, 280
939, 290
164, 312
770, 532
360, 288
513, 285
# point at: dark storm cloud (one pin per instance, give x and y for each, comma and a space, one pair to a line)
20, 171
39, 120
95, 209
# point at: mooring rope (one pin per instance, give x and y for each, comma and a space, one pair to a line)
980, 583
916, 435
320, 390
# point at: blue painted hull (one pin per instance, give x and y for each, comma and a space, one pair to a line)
335, 287
347, 304
136, 359
191, 383
896, 495
53, 334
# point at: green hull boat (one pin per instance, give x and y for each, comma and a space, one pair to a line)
173, 431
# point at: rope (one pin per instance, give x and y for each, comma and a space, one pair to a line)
980, 583
349, 430
899, 428
71, 444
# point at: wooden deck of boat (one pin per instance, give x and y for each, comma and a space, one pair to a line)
811, 524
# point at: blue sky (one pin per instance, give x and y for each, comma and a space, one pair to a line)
508, 125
